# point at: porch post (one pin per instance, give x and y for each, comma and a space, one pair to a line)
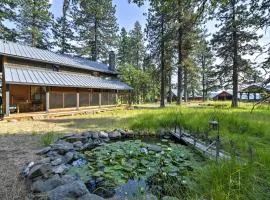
78, 101
7, 100
47, 99
116, 97
99, 99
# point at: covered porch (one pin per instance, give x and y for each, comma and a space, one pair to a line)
29, 90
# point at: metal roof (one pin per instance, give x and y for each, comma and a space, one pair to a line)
33, 76
30, 53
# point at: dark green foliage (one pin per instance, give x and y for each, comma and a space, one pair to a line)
97, 28
123, 48
136, 46
62, 31
235, 39
7, 12
34, 21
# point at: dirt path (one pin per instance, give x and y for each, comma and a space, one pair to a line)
15, 152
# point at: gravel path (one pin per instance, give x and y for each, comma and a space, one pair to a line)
15, 152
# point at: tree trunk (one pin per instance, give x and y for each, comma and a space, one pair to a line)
95, 48
170, 87
185, 85
162, 87
180, 70
235, 59
203, 77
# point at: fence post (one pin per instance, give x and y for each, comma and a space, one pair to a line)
217, 147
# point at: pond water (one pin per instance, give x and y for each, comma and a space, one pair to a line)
134, 167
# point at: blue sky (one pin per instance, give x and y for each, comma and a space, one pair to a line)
127, 14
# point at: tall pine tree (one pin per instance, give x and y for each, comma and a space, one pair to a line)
235, 38
62, 31
7, 13
137, 51
123, 48
97, 27
33, 22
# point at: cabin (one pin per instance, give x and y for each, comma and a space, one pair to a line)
37, 80
253, 92
221, 95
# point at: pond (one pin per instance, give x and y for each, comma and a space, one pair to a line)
135, 167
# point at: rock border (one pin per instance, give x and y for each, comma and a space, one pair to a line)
47, 178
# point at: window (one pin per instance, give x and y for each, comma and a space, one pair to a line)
36, 93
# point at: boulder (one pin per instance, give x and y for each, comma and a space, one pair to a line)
62, 147
69, 157
51, 183
114, 135
149, 197
67, 135
57, 161
155, 148
88, 146
103, 134
39, 170
94, 135
76, 139
73, 190
78, 144
44, 151
60, 169
169, 198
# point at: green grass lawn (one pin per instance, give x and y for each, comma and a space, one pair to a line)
224, 180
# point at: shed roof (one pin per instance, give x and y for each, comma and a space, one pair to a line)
31, 53
34, 76
255, 88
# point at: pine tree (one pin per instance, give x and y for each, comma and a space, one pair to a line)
34, 21
7, 13
97, 27
123, 48
185, 15
156, 32
236, 37
62, 31
137, 43
204, 59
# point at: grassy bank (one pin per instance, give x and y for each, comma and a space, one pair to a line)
226, 180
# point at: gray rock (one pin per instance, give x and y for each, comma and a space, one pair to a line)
144, 151
44, 151
106, 139
103, 134
62, 147
78, 144
114, 135
67, 135
169, 198
94, 135
27, 169
73, 190
88, 146
69, 157
89, 196
51, 183
149, 197
43, 170
57, 161
75, 139
155, 148
60, 169
44, 160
